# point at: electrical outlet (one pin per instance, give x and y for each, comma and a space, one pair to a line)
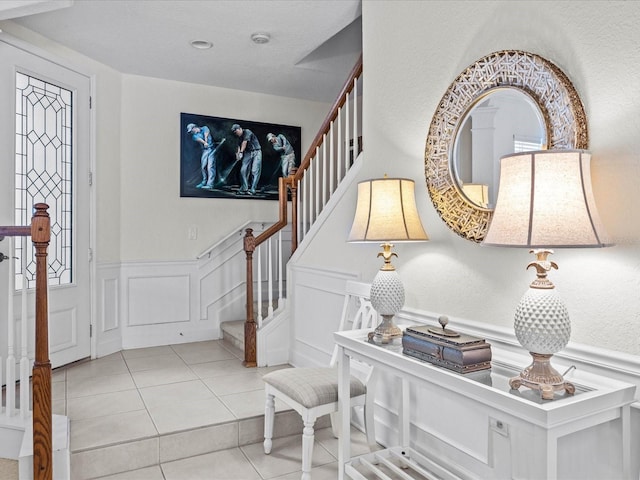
192, 232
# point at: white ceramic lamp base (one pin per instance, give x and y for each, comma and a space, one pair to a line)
543, 327
387, 298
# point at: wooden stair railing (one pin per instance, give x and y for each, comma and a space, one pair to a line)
325, 128
40, 232
335, 166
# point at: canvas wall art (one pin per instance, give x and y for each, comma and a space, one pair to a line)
235, 158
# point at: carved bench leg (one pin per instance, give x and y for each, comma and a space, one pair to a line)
269, 413
307, 449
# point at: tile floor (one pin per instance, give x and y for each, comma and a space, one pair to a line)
177, 401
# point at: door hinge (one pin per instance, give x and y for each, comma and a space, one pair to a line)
90, 178
90, 255
90, 102
90, 331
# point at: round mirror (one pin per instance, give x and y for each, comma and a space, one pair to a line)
503, 121
538, 82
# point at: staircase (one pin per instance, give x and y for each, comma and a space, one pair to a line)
305, 194
233, 331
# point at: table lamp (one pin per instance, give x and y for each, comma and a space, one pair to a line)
386, 212
545, 200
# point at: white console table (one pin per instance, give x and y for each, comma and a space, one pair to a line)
523, 431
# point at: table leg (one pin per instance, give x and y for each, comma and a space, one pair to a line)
344, 406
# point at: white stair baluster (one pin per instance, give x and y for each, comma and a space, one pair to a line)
259, 285
312, 193
317, 185
340, 152
280, 262
298, 217
24, 334
331, 160
323, 167
305, 206
355, 119
10, 397
347, 139
270, 277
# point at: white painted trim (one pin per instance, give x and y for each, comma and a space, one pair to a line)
334, 201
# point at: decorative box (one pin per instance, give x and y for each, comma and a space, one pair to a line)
447, 348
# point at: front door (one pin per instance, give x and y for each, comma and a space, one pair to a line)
44, 153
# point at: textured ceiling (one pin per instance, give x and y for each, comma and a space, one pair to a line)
314, 43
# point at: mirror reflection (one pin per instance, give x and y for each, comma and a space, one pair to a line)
503, 121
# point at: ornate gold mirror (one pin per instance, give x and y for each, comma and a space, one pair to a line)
542, 110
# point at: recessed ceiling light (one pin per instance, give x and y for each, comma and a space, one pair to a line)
201, 44
260, 38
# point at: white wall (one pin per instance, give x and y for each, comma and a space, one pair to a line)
412, 52
154, 219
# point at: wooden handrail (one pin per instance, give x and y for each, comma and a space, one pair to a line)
40, 232
326, 125
283, 184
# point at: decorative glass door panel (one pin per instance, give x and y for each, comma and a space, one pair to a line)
44, 167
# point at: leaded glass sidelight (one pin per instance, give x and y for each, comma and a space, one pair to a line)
44, 151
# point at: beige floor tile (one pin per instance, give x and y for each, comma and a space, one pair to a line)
328, 471
97, 368
235, 351
147, 352
111, 429
180, 348
115, 459
175, 393
175, 417
149, 473
83, 387
249, 404
104, 404
241, 382
227, 464
198, 442
152, 394
359, 445
155, 362
210, 352
251, 430
285, 456
149, 378
216, 369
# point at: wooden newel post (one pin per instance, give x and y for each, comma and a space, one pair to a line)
250, 330
42, 424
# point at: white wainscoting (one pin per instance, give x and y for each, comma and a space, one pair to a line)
145, 304
311, 345
311, 339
